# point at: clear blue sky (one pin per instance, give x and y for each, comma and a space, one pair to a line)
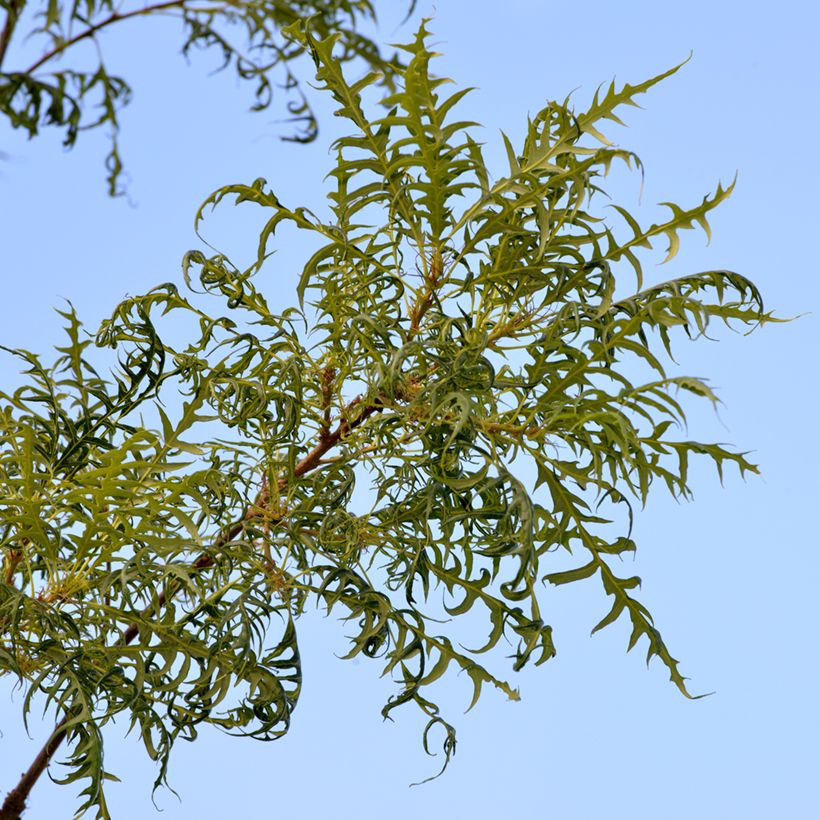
730, 578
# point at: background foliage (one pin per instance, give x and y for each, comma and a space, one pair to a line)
474, 322
245, 34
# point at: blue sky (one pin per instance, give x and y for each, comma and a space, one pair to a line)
730, 577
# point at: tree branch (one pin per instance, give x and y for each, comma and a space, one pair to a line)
15, 803
91, 31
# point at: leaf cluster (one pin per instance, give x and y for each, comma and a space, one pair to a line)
472, 388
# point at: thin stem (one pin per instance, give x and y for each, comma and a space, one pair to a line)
15, 802
92, 30
12, 16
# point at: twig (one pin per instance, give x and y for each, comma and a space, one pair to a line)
91, 31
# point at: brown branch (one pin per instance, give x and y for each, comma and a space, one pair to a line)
91, 31
15, 802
